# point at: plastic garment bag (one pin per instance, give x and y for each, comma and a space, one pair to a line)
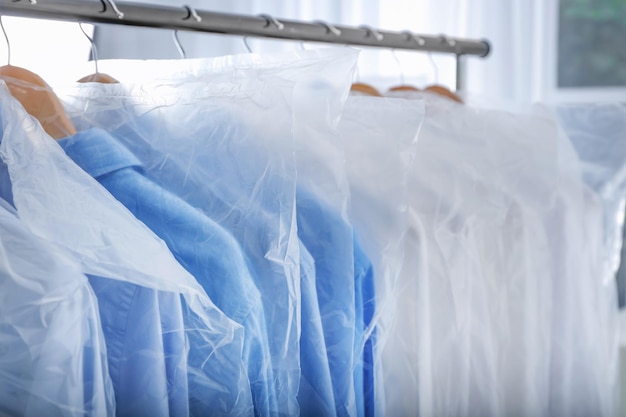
208, 135
512, 297
380, 138
48, 319
598, 135
322, 198
61, 203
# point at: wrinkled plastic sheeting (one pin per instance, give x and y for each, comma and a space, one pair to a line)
41, 285
513, 318
59, 202
208, 131
598, 134
380, 137
322, 199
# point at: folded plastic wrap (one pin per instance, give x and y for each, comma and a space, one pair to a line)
48, 319
380, 137
208, 131
59, 202
515, 320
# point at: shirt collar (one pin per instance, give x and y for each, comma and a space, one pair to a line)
97, 152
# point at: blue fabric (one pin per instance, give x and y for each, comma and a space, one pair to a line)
344, 278
327, 378
144, 368
329, 237
146, 357
365, 307
316, 396
205, 249
329, 240
218, 180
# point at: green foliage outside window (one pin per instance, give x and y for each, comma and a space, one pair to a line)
592, 43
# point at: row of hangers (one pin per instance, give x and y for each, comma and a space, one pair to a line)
39, 100
367, 89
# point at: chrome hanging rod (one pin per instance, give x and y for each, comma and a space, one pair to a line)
187, 18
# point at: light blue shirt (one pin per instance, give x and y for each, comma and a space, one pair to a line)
206, 250
219, 179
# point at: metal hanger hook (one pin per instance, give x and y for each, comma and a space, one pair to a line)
8, 42
450, 42
395, 57
329, 28
435, 68
191, 12
412, 36
179, 46
272, 20
111, 3
245, 42
94, 49
373, 32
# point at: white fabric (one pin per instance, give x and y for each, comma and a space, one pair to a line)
519, 320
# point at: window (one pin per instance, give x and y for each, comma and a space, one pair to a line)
591, 50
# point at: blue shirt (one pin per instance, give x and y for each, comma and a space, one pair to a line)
346, 293
145, 348
213, 186
145, 342
315, 396
365, 307
206, 250
210, 166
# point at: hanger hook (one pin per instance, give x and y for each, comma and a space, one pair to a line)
449, 41
94, 49
412, 36
435, 68
329, 28
272, 20
111, 3
8, 42
373, 32
179, 46
395, 57
191, 12
245, 42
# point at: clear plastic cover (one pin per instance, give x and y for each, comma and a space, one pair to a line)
322, 198
514, 318
208, 131
598, 134
380, 137
48, 318
59, 202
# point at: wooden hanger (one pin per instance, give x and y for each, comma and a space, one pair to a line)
38, 100
444, 91
404, 87
98, 77
365, 89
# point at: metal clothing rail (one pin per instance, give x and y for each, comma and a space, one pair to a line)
187, 18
